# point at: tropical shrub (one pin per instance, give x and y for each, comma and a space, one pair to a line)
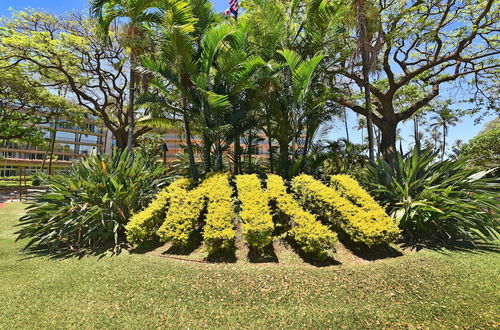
258, 223
437, 201
90, 206
368, 226
143, 225
312, 236
219, 232
351, 190
186, 208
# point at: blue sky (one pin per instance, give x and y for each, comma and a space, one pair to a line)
464, 131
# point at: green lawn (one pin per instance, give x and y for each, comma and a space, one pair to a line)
13, 183
427, 289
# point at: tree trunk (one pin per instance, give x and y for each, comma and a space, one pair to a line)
270, 143
388, 143
283, 158
366, 75
249, 151
218, 156
52, 145
237, 158
416, 132
346, 125
131, 115
304, 152
207, 145
444, 142
189, 145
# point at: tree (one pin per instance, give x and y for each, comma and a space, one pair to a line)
298, 39
24, 109
444, 118
426, 44
484, 150
190, 44
138, 14
367, 64
65, 53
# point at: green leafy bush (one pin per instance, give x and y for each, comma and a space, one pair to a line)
89, 207
258, 223
434, 200
364, 222
143, 225
313, 237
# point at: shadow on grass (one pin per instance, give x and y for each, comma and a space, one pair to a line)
66, 253
369, 253
194, 243
264, 255
222, 256
323, 261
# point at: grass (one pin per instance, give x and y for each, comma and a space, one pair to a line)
428, 289
4, 183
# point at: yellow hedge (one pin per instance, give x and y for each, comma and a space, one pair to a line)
312, 236
366, 225
219, 232
143, 225
258, 223
185, 211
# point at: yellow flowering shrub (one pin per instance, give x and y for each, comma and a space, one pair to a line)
258, 223
184, 212
365, 225
312, 236
142, 226
219, 232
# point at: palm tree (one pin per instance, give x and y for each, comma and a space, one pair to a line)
361, 126
138, 14
364, 42
190, 45
444, 119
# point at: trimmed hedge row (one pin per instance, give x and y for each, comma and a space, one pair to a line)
219, 232
184, 212
366, 223
258, 223
312, 236
142, 226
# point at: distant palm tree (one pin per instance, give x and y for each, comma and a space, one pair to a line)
361, 126
444, 119
138, 13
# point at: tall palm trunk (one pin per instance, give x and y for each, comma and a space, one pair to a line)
131, 115
346, 125
237, 156
444, 141
189, 145
207, 146
249, 151
270, 142
52, 145
366, 75
416, 132
304, 151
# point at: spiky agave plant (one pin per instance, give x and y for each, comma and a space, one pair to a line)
89, 206
437, 200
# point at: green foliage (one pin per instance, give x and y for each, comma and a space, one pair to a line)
219, 232
364, 222
313, 237
183, 215
258, 223
436, 200
483, 151
142, 226
89, 207
40, 178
